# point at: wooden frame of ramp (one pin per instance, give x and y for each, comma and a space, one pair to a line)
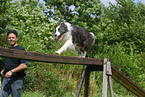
95, 64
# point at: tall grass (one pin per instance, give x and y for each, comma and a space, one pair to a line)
31, 94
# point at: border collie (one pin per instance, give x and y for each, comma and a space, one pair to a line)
74, 37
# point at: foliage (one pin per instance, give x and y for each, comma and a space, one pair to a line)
128, 64
4, 18
124, 23
84, 14
32, 94
46, 80
119, 31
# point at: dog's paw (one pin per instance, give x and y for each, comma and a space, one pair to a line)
82, 57
57, 52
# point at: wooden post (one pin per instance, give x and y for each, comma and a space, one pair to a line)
107, 77
87, 77
81, 81
109, 74
104, 91
110, 85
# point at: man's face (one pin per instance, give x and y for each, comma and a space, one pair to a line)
12, 39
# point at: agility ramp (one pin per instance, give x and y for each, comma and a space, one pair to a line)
95, 64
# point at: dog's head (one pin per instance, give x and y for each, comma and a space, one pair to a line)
60, 30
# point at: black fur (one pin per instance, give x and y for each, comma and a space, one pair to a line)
82, 38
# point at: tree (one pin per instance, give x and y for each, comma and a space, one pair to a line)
83, 13
27, 17
125, 24
4, 19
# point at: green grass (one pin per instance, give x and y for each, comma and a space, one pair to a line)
31, 94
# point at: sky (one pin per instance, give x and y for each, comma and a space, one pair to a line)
106, 2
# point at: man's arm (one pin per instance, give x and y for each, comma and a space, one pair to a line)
17, 69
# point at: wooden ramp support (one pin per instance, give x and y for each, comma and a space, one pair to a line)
106, 78
86, 76
90, 64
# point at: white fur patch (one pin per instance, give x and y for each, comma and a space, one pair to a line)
57, 32
67, 39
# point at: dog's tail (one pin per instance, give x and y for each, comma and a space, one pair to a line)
93, 37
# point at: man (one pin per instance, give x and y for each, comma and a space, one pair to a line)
13, 71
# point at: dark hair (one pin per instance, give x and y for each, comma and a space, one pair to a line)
12, 31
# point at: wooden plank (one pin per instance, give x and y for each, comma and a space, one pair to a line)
127, 83
32, 56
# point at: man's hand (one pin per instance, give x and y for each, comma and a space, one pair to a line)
8, 74
2, 72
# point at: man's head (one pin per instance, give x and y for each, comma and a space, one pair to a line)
12, 37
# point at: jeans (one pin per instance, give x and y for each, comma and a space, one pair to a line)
11, 86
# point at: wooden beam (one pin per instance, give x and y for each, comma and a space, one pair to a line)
127, 83
87, 79
39, 57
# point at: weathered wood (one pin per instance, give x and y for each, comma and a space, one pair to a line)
94, 64
109, 73
95, 68
108, 70
110, 85
13, 53
81, 81
87, 78
127, 83
105, 77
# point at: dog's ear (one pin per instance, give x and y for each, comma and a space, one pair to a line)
62, 24
63, 27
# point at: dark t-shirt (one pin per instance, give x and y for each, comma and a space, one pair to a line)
11, 63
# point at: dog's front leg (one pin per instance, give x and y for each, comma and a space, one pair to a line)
83, 54
64, 47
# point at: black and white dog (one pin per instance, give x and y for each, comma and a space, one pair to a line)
74, 37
